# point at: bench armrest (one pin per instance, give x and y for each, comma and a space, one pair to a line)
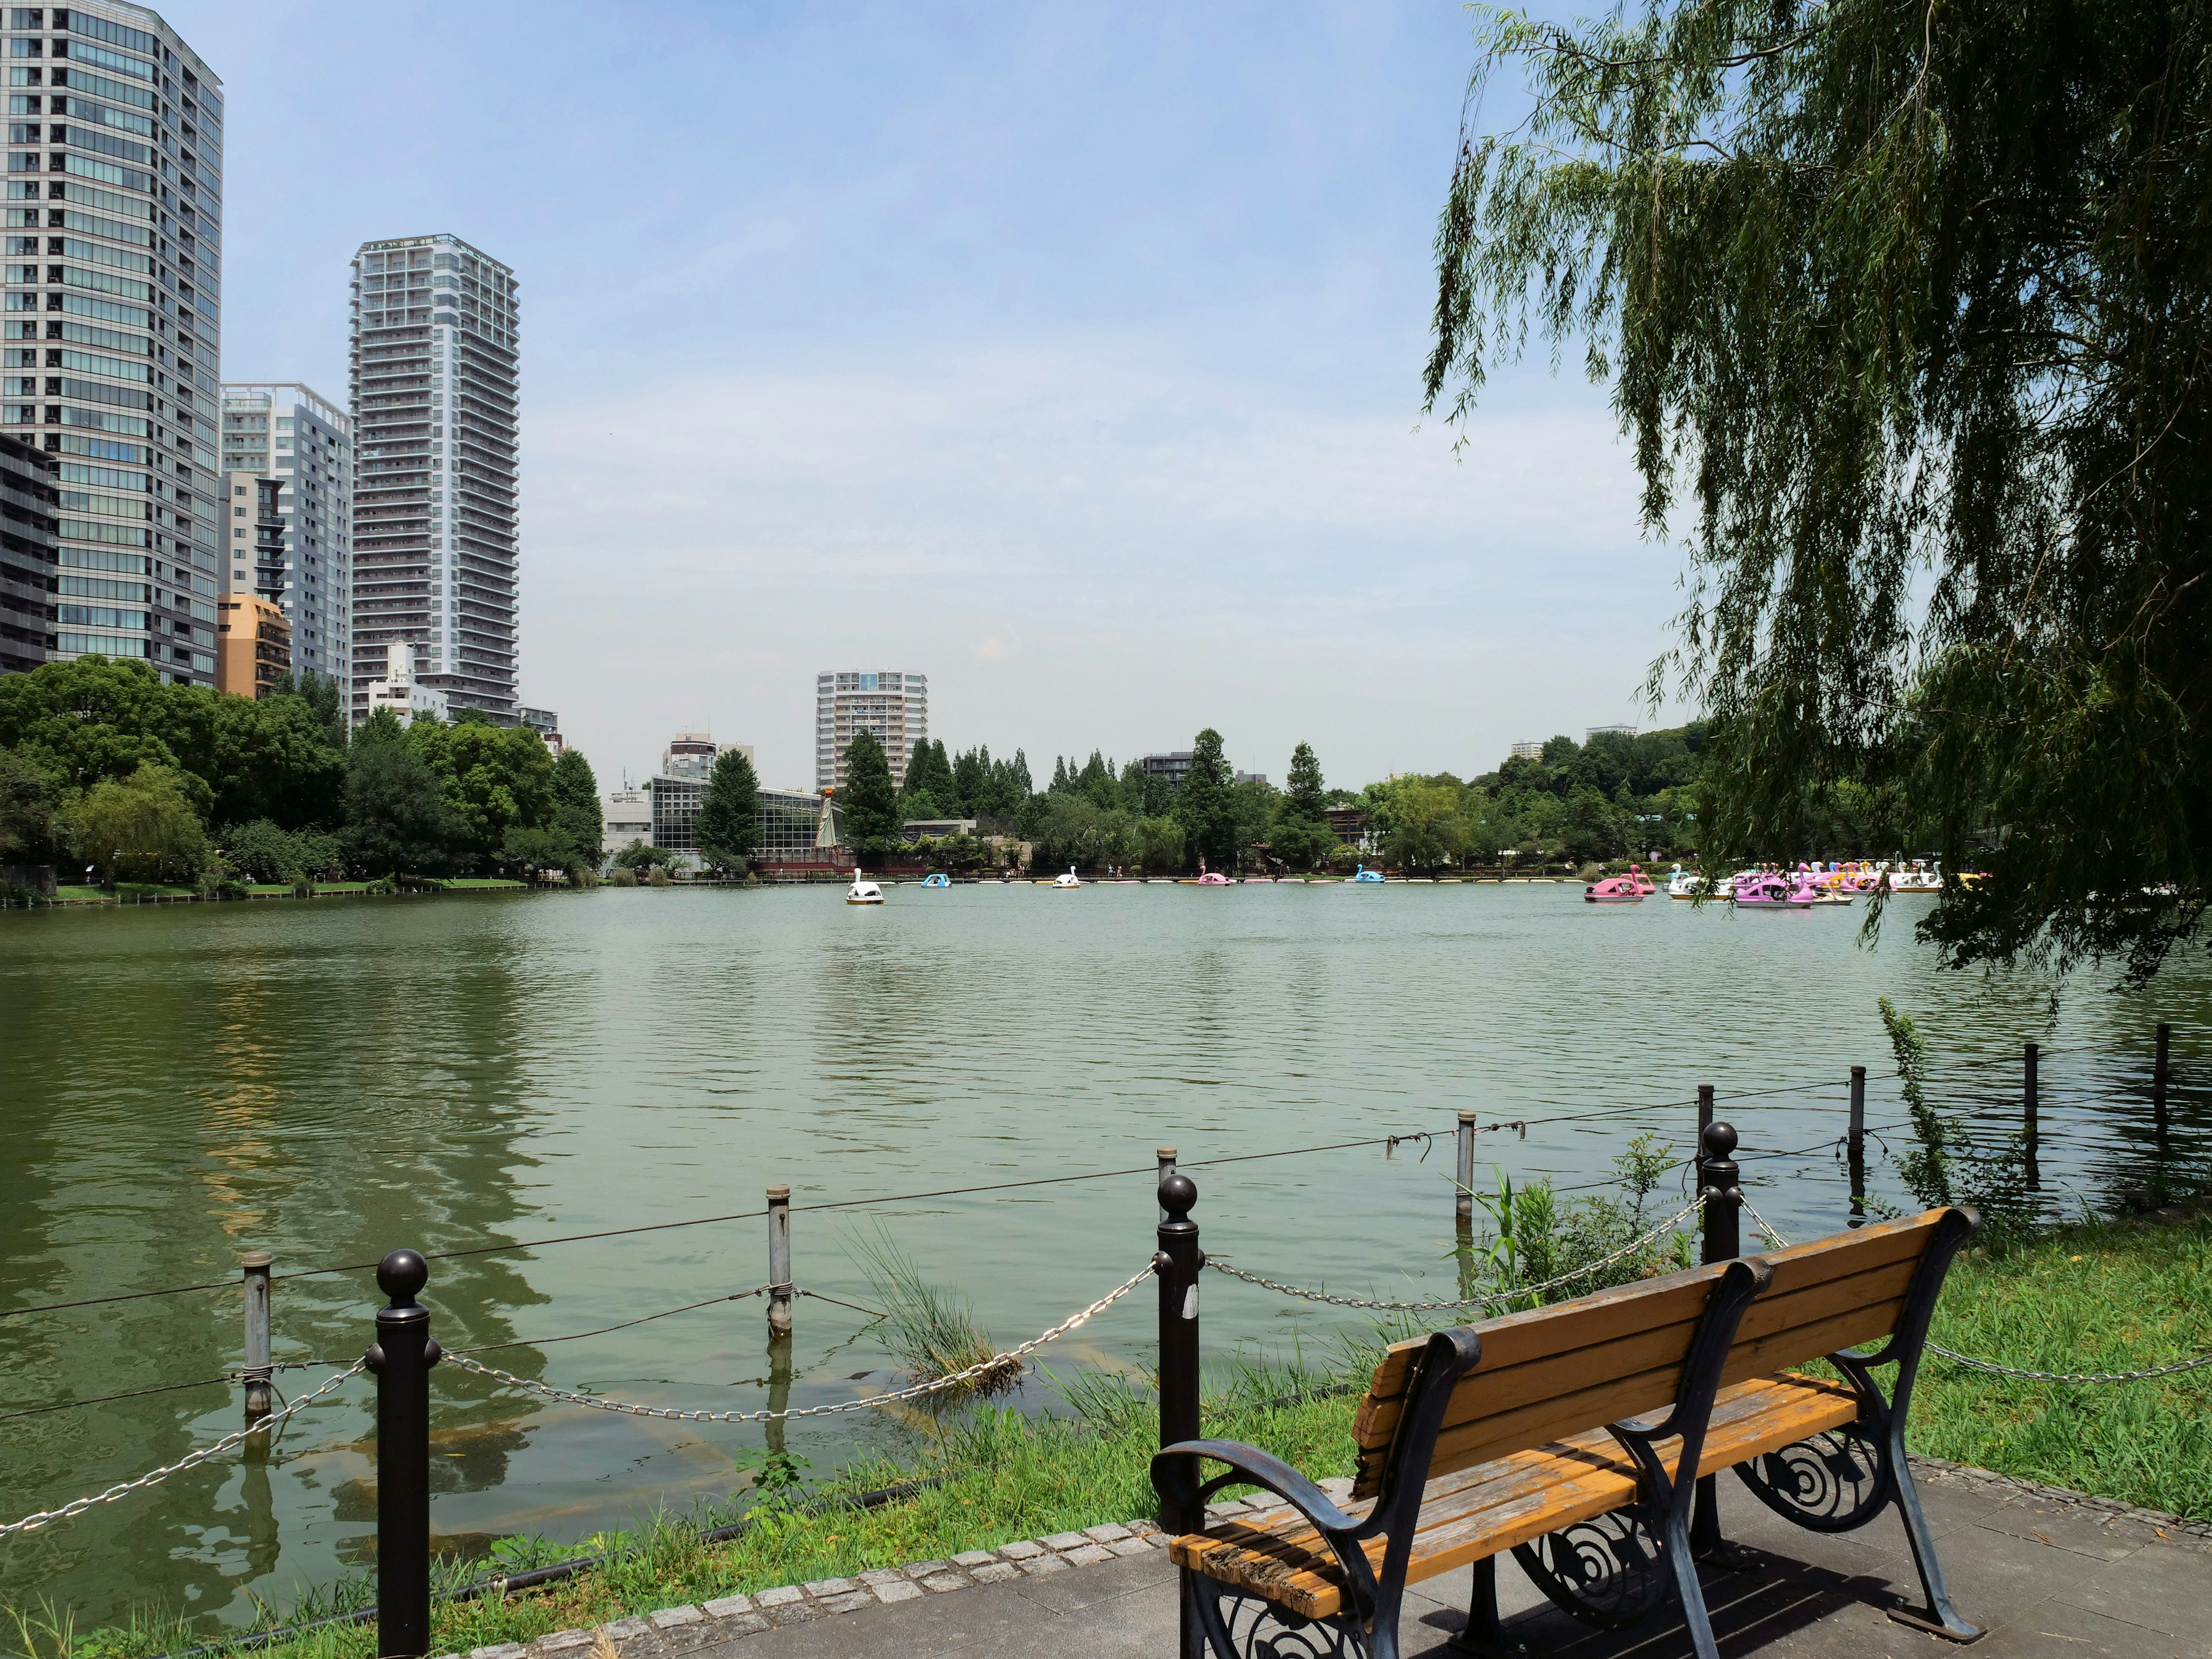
1173, 1479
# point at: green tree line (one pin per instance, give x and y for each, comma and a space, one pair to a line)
105, 766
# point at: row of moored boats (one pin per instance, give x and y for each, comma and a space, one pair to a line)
1771, 887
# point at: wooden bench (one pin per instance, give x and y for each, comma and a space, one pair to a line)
1521, 1433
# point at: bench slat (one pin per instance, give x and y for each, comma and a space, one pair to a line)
1512, 1500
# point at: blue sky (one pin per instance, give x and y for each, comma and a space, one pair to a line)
1070, 356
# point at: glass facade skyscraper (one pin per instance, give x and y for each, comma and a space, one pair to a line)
435, 327
287, 530
111, 321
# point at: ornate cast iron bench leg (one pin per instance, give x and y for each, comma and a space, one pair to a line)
1231, 1625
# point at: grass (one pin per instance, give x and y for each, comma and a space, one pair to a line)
124, 890
2097, 1297
932, 1331
2094, 1297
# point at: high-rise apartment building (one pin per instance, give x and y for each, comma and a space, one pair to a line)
287, 530
111, 320
28, 573
894, 706
434, 395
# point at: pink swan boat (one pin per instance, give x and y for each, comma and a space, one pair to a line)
1771, 891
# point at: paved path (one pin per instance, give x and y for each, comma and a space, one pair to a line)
2047, 1576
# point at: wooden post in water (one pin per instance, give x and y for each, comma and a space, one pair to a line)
779, 1261
1704, 1110
254, 1268
1463, 1202
2029, 1057
2157, 1081
1167, 1157
1854, 1147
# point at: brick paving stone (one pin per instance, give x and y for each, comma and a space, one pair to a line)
622, 1630
561, 1640
781, 1596
1039, 1565
498, 1650
941, 1582
820, 1587
1088, 1556
851, 1602
1107, 1534
881, 1575
996, 1572
926, 1569
670, 1617
973, 1558
1130, 1547
1023, 1550
899, 1589
726, 1607
740, 1623
1064, 1540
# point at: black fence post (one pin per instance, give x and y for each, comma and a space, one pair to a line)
402, 1357
2158, 1072
1717, 1185
2030, 1058
1854, 1146
1178, 1265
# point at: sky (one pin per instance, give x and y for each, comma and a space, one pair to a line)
1069, 356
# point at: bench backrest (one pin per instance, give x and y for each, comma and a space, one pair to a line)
1618, 1353
1843, 1291
1544, 1374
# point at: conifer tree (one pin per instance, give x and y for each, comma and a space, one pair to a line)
728, 825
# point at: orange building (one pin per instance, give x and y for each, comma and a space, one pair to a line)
253, 645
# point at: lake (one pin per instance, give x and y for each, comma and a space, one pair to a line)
328, 1081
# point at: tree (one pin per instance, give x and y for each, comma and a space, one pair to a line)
397, 817
143, 825
1426, 829
929, 790
264, 852
538, 847
1203, 804
324, 696
576, 811
642, 858
27, 799
272, 758
1159, 845
1877, 287
493, 778
867, 803
1302, 837
728, 825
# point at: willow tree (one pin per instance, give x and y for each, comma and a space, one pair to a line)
1906, 309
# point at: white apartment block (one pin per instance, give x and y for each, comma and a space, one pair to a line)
435, 324
111, 321
894, 706
287, 467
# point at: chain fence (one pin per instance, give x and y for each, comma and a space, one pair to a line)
996, 1363
1491, 1298
77, 1506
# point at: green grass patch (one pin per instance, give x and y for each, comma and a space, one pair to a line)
2095, 1297
458, 882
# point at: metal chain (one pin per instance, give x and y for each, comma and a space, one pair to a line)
78, 1506
996, 1362
1989, 1365
1583, 1271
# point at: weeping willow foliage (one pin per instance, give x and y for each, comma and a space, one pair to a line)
1906, 308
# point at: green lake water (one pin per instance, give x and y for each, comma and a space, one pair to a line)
182, 1083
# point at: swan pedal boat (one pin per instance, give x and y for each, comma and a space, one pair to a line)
863, 891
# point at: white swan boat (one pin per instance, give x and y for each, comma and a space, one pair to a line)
1066, 883
863, 891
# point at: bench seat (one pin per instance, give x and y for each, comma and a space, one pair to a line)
1486, 1511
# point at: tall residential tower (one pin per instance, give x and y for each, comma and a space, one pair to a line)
434, 394
112, 321
288, 478
894, 706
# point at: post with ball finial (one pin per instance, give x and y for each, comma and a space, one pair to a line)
1178, 1265
1718, 1186
402, 1357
